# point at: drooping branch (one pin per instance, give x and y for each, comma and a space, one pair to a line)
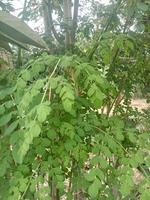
6, 6
2, 5
116, 53
51, 23
109, 21
75, 19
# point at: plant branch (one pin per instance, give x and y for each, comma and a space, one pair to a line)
118, 98
123, 148
104, 30
128, 21
32, 175
51, 23
47, 85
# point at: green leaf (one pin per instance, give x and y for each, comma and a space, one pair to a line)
15, 137
90, 176
53, 83
21, 84
119, 135
39, 84
140, 27
24, 169
43, 110
9, 104
19, 151
132, 136
68, 105
66, 93
69, 145
99, 160
66, 61
3, 167
23, 184
11, 127
40, 150
5, 119
126, 185
94, 188
22, 146
106, 54
51, 134
2, 109
67, 96
33, 185
26, 75
5, 92
111, 143
91, 91
145, 195
93, 173
117, 123
139, 157
106, 151
96, 96
35, 129
142, 6
147, 161
103, 163
67, 129
45, 142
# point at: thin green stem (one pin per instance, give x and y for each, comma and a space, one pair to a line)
47, 85
26, 189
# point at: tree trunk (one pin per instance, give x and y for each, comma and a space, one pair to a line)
75, 19
68, 24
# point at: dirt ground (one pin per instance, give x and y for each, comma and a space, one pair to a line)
140, 104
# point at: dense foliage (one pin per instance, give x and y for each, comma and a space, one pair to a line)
67, 129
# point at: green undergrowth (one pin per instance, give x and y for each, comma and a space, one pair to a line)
55, 142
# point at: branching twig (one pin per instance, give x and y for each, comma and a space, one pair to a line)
117, 100
47, 85
51, 23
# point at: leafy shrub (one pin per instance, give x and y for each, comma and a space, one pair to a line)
55, 142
